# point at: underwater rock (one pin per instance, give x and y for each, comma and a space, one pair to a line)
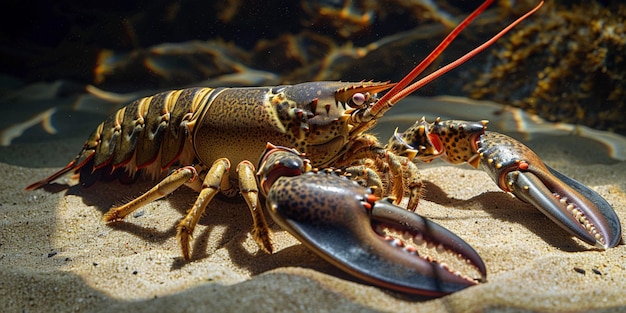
564, 64
347, 19
167, 65
567, 64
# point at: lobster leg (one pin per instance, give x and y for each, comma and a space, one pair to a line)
216, 180
187, 174
404, 178
250, 192
346, 225
367, 177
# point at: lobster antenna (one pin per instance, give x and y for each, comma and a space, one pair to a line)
433, 55
395, 94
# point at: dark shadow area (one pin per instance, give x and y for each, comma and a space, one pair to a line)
221, 211
232, 214
514, 211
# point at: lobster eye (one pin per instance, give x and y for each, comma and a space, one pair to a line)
358, 99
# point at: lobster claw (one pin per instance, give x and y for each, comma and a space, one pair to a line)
344, 224
430, 273
516, 169
568, 203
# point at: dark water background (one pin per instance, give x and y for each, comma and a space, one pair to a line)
52, 51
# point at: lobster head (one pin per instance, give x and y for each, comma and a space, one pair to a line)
319, 116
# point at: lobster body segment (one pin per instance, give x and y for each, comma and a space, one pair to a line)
224, 126
311, 117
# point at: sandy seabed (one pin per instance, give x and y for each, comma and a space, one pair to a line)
56, 254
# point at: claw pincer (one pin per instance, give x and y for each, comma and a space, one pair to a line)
570, 204
518, 170
345, 224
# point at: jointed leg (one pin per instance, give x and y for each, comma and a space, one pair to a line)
249, 190
412, 181
170, 183
404, 174
366, 176
215, 181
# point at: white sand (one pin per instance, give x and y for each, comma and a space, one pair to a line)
57, 255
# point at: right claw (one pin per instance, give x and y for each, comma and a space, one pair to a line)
346, 225
336, 219
385, 214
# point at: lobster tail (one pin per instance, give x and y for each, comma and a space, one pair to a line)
135, 136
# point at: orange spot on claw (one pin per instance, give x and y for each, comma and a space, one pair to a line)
523, 165
369, 201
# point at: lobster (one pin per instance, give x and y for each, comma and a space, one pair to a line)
198, 133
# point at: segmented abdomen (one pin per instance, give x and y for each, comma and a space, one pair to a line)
149, 132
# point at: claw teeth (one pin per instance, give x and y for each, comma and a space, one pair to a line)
577, 213
406, 236
410, 249
444, 266
418, 239
580, 216
434, 252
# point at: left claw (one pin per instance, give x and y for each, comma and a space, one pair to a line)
517, 169
343, 223
570, 204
